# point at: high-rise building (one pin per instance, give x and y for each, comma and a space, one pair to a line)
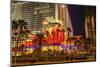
64, 15
33, 13
90, 23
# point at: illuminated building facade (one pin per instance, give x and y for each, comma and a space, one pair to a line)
33, 13
90, 24
49, 37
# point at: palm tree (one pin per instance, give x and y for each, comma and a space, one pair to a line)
14, 33
21, 24
69, 30
22, 32
69, 39
18, 25
40, 36
14, 26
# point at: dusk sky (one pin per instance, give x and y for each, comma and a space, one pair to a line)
77, 18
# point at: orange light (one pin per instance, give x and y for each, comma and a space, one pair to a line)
62, 6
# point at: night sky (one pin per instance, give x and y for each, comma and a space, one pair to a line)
77, 19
